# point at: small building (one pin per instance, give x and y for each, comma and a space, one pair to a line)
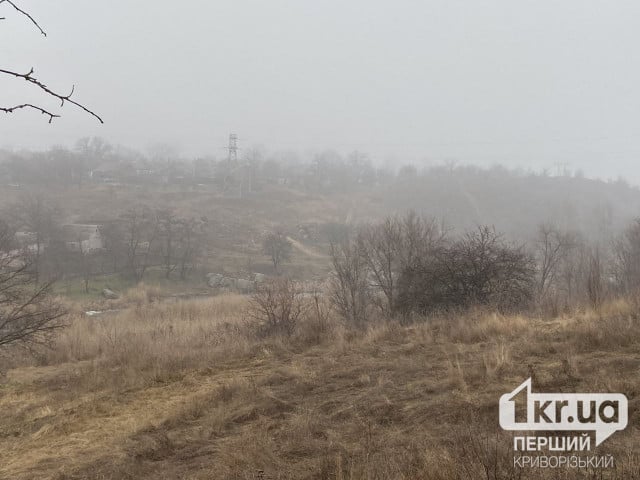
83, 238
106, 173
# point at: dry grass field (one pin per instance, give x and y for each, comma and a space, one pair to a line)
186, 390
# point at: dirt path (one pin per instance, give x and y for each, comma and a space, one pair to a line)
306, 250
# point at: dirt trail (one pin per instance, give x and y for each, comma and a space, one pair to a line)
306, 250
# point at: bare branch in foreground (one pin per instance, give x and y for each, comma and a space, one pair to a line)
33, 107
31, 79
63, 98
26, 14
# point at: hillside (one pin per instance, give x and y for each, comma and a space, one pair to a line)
516, 203
184, 390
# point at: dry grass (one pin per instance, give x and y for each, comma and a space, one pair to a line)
185, 390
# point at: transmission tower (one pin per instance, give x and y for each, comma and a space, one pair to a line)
233, 149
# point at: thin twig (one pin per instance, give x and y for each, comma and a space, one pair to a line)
63, 98
34, 107
31, 79
26, 14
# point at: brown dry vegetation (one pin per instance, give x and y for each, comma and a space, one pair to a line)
186, 390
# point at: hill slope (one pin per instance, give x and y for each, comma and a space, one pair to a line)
211, 401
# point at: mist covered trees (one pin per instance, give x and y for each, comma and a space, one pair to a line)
627, 258
350, 289
277, 247
478, 268
516, 202
391, 247
28, 313
127, 244
410, 265
144, 237
413, 265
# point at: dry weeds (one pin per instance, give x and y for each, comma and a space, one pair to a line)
186, 390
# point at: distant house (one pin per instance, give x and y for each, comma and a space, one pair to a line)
82, 238
105, 173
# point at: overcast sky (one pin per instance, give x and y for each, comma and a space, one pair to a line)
525, 82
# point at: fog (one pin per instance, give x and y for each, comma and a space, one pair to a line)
530, 83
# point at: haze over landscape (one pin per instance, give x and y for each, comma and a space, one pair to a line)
319, 240
523, 84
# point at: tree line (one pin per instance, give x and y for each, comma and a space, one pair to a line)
411, 265
129, 244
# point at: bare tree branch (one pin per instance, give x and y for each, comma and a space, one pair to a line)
34, 107
29, 77
26, 14
63, 98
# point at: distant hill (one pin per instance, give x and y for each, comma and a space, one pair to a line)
516, 203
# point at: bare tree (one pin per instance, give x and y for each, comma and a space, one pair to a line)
191, 240
140, 228
392, 246
167, 232
626, 251
180, 242
113, 238
37, 217
29, 77
350, 290
28, 314
552, 249
90, 153
277, 246
380, 247
86, 264
595, 285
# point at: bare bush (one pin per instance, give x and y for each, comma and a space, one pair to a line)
553, 248
278, 306
392, 246
479, 268
350, 291
317, 323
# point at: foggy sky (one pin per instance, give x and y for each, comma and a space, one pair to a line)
527, 82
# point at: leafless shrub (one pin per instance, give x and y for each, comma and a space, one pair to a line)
393, 245
317, 322
350, 291
479, 268
278, 306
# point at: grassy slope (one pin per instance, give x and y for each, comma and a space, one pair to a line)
165, 391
